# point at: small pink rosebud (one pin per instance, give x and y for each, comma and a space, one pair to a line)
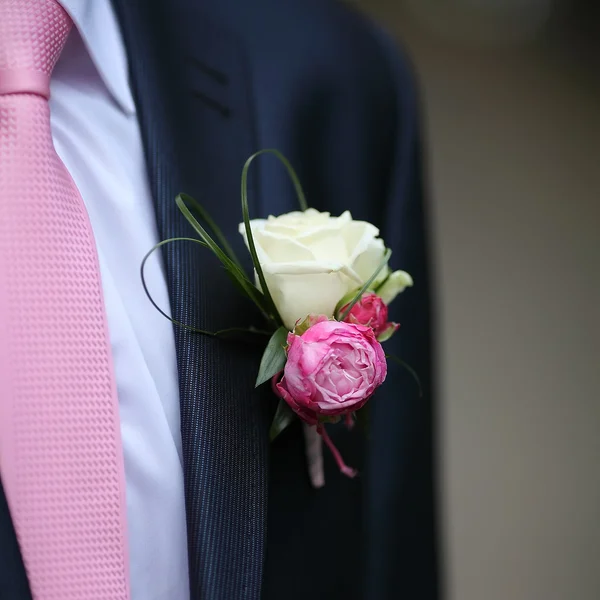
371, 311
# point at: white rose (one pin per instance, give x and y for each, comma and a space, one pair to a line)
311, 260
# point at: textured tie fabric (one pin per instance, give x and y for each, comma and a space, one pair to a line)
61, 459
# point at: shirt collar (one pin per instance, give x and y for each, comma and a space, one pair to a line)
99, 29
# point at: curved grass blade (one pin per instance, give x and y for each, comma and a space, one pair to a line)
291, 172
220, 238
220, 333
234, 330
271, 309
380, 285
409, 369
236, 283
145, 285
366, 285
249, 288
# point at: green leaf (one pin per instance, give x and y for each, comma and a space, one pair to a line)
274, 357
270, 307
366, 285
409, 369
387, 333
249, 288
284, 417
221, 239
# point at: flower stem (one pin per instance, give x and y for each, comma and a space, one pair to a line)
349, 421
344, 468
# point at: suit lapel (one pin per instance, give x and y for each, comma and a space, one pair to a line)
192, 93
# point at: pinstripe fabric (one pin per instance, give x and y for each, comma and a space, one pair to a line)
195, 124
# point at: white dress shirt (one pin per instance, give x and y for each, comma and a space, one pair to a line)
97, 135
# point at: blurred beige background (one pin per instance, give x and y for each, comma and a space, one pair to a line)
512, 111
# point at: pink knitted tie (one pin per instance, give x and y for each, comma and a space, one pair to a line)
61, 459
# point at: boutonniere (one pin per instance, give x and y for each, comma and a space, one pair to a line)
323, 285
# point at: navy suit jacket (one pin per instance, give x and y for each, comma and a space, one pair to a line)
214, 81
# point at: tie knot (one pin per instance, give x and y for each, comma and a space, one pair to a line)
32, 36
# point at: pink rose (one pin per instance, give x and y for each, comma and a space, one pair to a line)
332, 369
371, 311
